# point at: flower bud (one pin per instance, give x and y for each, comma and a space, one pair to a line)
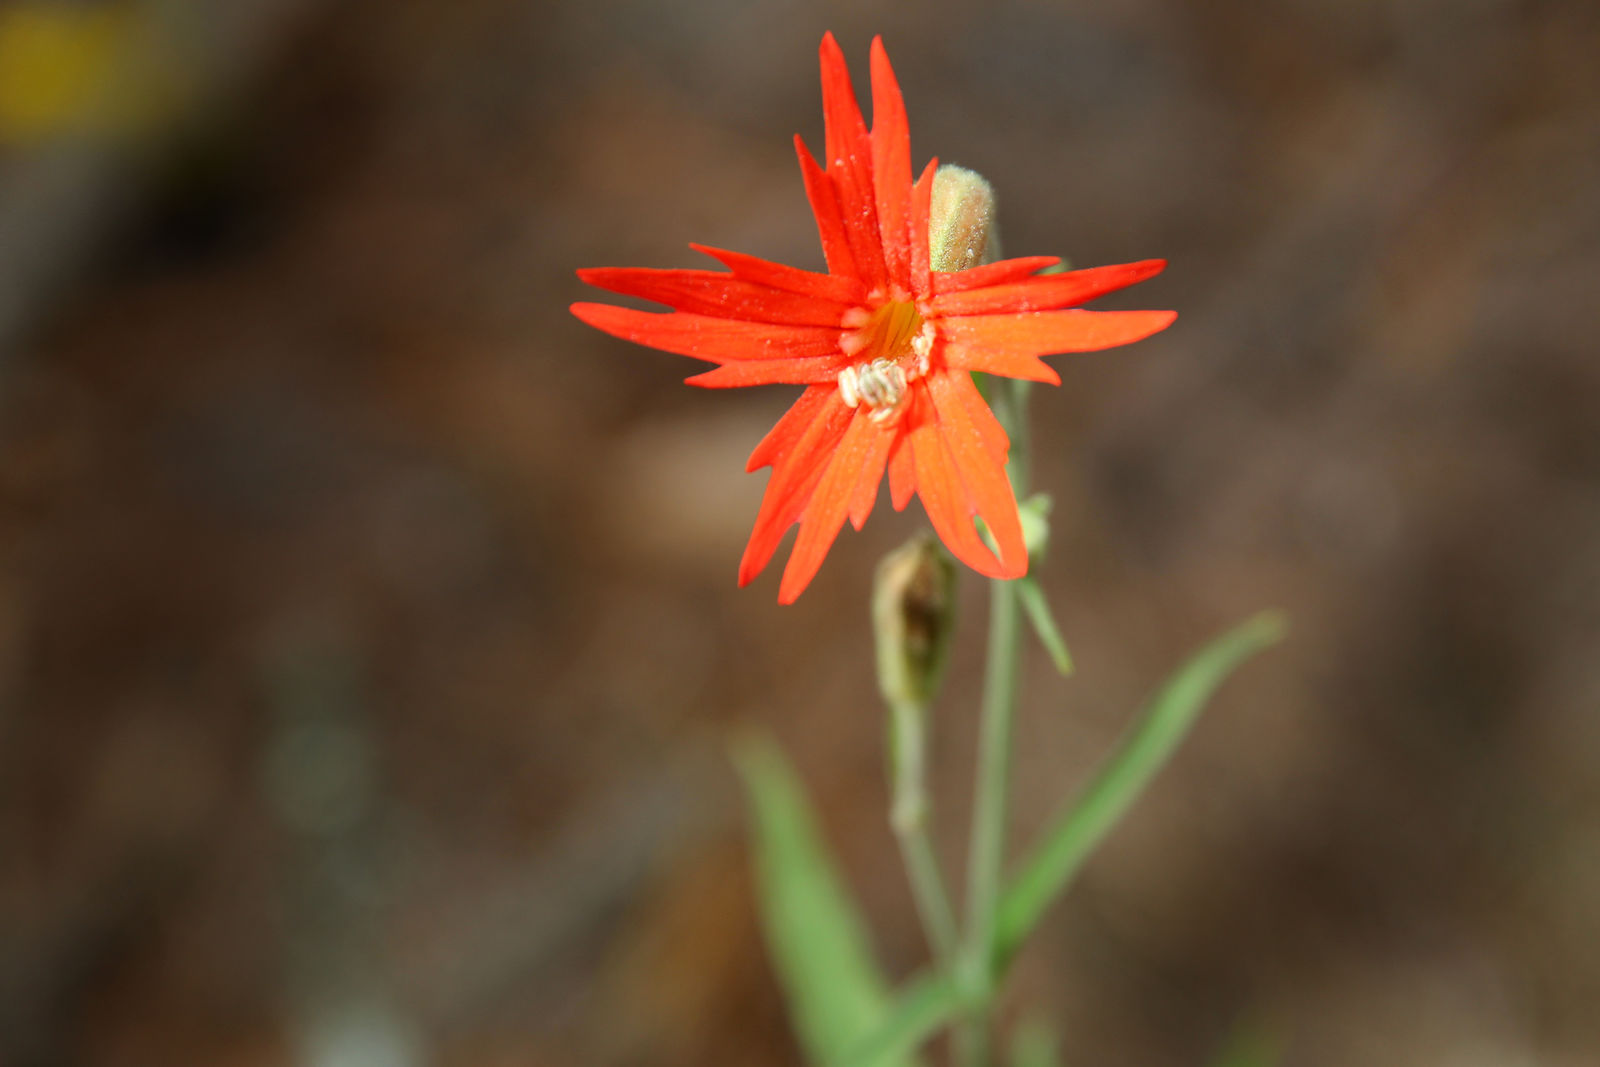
913, 609
961, 224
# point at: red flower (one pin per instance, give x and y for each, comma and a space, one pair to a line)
884, 345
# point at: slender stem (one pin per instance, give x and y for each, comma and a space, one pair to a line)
970, 1041
933, 903
986, 855
910, 818
1013, 413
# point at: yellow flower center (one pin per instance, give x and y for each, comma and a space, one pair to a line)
893, 342
891, 330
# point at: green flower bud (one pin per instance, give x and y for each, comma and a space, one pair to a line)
913, 608
961, 225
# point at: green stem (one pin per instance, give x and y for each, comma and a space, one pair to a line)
910, 817
986, 855
987, 852
1013, 414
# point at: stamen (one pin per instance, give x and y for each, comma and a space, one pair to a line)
894, 343
848, 391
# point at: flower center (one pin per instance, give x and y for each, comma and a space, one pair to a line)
893, 342
892, 328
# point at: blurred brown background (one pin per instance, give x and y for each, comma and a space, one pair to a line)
369, 641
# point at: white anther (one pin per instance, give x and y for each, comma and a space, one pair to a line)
881, 383
849, 392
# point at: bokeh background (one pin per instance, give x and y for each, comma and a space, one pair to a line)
369, 642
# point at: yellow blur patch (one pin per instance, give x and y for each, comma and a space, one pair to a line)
76, 70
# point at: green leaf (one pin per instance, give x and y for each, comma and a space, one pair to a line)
1154, 737
836, 994
929, 1002
1037, 609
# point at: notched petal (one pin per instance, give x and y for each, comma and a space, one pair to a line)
705, 337
718, 295
1047, 292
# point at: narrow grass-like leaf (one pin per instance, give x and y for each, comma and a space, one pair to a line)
1037, 609
836, 994
928, 1002
1152, 740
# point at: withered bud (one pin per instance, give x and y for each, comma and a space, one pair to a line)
961, 223
913, 610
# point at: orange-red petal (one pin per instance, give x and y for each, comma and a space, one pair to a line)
862, 449
902, 473
788, 430
1000, 362
714, 339
891, 167
823, 192
944, 498
921, 207
718, 295
1006, 270
989, 492
792, 482
1045, 292
844, 289
865, 495
739, 373
1010, 344
849, 164
958, 385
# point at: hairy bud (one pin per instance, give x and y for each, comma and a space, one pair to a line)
961, 225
